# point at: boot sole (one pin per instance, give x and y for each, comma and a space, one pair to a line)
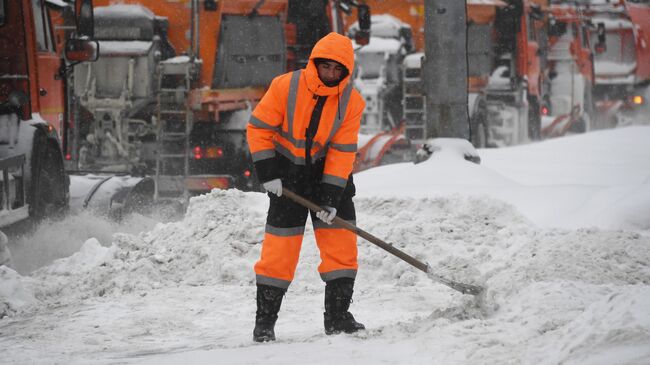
336, 332
263, 339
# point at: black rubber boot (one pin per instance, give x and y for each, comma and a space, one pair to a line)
338, 296
269, 299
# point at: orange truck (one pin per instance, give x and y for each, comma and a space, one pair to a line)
507, 85
622, 62
168, 100
570, 107
173, 89
33, 101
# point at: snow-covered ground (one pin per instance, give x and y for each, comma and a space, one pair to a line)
558, 232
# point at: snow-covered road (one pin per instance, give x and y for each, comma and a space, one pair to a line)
558, 231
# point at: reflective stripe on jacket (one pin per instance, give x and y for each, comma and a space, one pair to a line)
279, 122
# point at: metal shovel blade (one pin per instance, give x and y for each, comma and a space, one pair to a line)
461, 287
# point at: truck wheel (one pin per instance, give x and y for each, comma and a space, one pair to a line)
48, 196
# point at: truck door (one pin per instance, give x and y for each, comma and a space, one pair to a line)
50, 84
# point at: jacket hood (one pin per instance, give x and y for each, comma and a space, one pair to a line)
334, 47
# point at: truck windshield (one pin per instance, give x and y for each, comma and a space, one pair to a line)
620, 47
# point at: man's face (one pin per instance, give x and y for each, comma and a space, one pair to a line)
330, 72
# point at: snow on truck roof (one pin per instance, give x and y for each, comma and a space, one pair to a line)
59, 3
383, 25
613, 23
124, 47
414, 60
376, 45
123, 11
486, 2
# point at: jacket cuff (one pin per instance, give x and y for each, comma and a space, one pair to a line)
267, 169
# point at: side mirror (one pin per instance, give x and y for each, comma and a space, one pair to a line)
601, 45
85, 20
362, 37
363, 13
81, 50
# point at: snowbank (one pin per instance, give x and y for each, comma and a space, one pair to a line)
14, 293
184, 291
214, 243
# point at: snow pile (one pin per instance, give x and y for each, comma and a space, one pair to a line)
612, 330
61, 238
91, 256
214, 243
184, 292
14, 293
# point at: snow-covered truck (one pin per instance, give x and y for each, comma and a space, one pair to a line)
33, 106
379, 80
570, 69
170, 95
622, 61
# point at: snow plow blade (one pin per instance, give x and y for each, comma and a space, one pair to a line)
111, 195
461, 287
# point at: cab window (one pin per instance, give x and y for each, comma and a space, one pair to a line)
42, 27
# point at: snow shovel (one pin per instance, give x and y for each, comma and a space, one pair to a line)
461, 287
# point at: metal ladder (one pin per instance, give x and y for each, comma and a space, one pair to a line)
174, 125
414, 103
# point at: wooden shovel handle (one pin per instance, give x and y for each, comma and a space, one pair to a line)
360, 232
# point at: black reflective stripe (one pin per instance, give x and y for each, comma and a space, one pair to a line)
352, 147
285, 232
319, 224
263, 155
291, 100
262, 124
337, 274
267, 280
345, 99
335, 180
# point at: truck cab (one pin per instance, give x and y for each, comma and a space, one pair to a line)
33, 105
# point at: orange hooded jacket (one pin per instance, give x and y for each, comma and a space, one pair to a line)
281, 118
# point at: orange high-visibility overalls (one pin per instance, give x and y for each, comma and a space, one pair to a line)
278, 141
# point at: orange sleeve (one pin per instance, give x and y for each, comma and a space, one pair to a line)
266, 121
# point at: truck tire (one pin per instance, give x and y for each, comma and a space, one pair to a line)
47, 196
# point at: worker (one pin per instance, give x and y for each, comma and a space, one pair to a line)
303, 136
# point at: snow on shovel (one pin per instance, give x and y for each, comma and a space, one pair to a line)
461, 287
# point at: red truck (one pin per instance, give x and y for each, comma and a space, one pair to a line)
34, 61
